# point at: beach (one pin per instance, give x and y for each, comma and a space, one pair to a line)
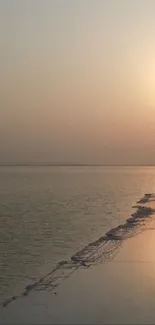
116, 291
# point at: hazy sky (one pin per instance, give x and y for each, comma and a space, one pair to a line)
77, 81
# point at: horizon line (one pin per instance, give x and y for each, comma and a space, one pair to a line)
72, 165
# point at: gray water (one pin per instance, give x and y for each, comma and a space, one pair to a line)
49, 213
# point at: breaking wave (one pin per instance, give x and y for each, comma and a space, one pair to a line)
102, 250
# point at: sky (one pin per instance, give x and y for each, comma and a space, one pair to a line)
77, 82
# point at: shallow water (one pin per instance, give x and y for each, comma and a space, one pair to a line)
49, 213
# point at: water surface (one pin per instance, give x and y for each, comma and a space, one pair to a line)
49, 213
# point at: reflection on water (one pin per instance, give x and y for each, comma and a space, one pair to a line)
48, 214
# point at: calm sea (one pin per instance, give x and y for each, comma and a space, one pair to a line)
49, 213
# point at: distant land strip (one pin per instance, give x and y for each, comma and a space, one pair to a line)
71, 165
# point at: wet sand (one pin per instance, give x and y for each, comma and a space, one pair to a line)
103, 292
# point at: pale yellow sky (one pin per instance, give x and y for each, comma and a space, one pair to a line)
77, 81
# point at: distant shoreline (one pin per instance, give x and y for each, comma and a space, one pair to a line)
71, 165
